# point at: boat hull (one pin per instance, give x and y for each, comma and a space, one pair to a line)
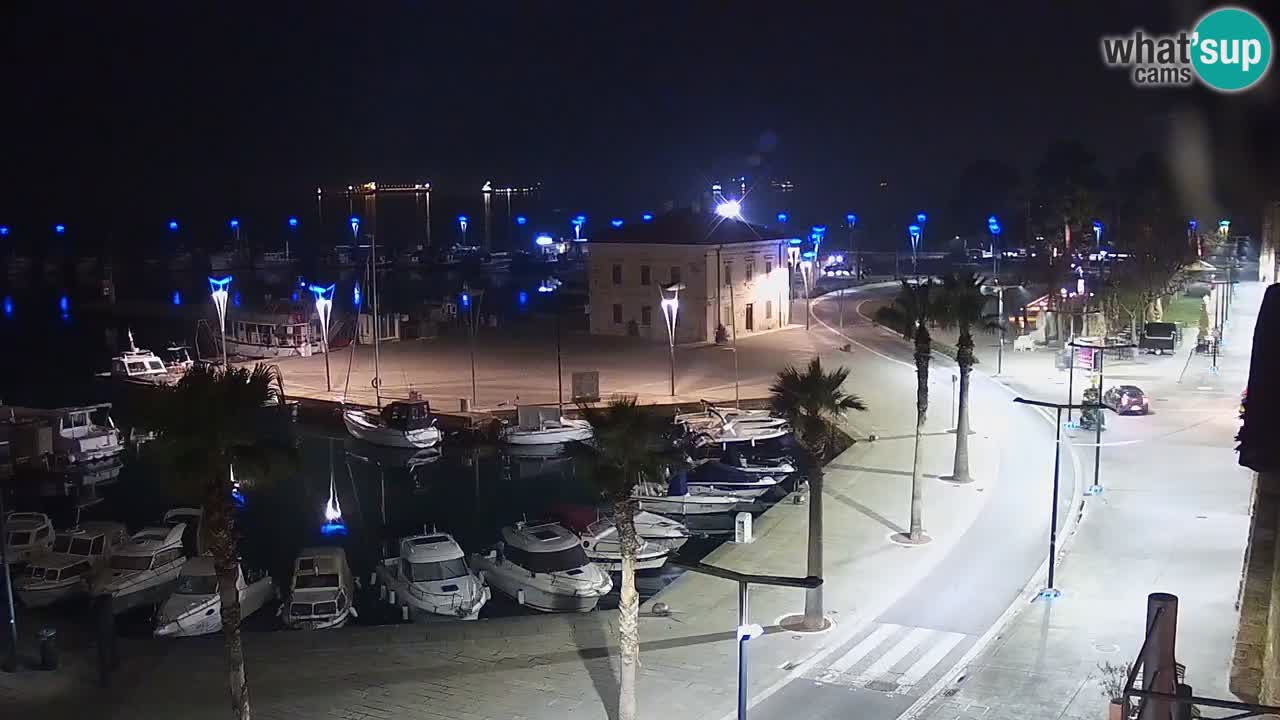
254, 351
38, 597
332, 622
577, 432
361, 427
454, 605
689, 504
515, 582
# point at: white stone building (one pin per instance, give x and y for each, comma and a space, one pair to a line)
734, 275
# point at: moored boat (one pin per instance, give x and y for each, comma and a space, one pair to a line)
65, 571
404, 424
195, 606
142, 570
26, 534
543, 566
431, 576
320, 591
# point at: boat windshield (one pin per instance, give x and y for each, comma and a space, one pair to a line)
19, 538
130, 562
197, 585
558, 561
315, 582
442, 570
72, 546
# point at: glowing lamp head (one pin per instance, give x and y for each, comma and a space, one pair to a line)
355, 294
647, 217
794, 241
913, 230
173, 225
580, 220
851, 219
59, 228
4, 229
731, 209
991, 220
8, 306
465, 300
616, 222
522, 220
808, 254
544, 240
293, 222
1097, 226
177, 297
783, 217
64, 304
522, 298
234, 223
1191, 223
355, 225
921, 218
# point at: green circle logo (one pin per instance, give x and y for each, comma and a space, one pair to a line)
1231, 49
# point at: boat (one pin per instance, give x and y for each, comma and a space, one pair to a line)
544, 567
142, 570
549, 432
431, 575
27, 534
193, 540
139, 367
195, 606
604, 547
405, 424
658, 531
716, 477
82, 434
677, 500
734, 432
65, 571
288, 329
320, 591
712, 414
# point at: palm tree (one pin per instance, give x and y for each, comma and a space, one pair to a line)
207, 422
814, 402
629, 447
960, 306
911, 313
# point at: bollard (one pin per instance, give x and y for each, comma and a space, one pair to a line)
373, 578
520, 595
382, 592
48, 649
404, 613
391, 597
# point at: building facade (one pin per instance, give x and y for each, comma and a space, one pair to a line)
731, 274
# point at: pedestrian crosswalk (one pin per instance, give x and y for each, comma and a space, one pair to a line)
894, 658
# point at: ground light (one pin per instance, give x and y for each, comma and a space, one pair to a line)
806, 274
218, 292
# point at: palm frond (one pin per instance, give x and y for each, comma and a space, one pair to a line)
814, 402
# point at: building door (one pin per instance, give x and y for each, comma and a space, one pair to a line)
751, 317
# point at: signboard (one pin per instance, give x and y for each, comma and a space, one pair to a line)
586, 386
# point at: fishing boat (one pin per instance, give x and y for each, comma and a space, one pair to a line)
676, 499
26, 534
195, 606
320, 590
138, 366
431, 576
404, 424
143, 569
544, 567
82, 434
65, 571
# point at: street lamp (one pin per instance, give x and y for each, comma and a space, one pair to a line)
1050, 591
1096, 488
817, 234
647, 217
914, 231
730, 210
783, 218
549, 287
173, 226
616, 222
993, 226
920, 220
462, 225
218, 291
1224, 227
468, 302
324, 306
806, 274
577, 223
293, 230
670, 309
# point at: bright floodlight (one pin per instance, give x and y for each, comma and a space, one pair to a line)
729, 209
544, 240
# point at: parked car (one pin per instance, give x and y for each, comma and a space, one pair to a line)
1127, 400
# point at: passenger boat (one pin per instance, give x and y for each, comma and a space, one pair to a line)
320, 591
195, 606
66, 570
26, 534
431, 575
82, 434
544, 567
405, 424
143, 569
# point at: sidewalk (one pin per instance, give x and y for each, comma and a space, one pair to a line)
1173, 518
557, 666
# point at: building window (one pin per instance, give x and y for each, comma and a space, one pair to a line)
750, 269
728, 274
675, 274
617, 314
768, 267
646, 315
768, 309
617, 274
644, 274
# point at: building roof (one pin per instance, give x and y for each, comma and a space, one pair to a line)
688, 227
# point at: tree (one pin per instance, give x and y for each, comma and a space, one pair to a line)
208, 421
630, 446
960, 306
814, 402
1068, 190
911, 313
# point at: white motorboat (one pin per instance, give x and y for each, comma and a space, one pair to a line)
604, 547
714, 415
142, 570
405, 424
431, 575
65, 572
544, 567
193, 540
195, 607
80, 435
676, 499
320, 591
26, 534
549, 432
735, 432
659, 530
139, 366
748, 490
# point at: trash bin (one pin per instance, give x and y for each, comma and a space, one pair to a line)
48, 648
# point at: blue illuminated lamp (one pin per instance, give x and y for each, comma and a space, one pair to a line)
647, 217
355, 226
293, 222
235, 223
914, 231
465, 300
522, 298
235, 299
783, 217
177, 297
4, 229
8, 306
818, 230
462, 222
809, 255
580, 220
794, 241
522, 220
355, 294
59, 228
544, 240
851, 219
991, 220
64, 304
921, 218
1097, 232
616, 222
173, 225
1191, 223
994, 227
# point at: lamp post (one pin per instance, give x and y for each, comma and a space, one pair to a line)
324, 306
993, 226
1096, 488
293, 230
914, 231
218, 291
851, 221
462, 225
1050, 591
234, 224
469, 302
548, 287
577, 223
670, 310
921, 218
806, 274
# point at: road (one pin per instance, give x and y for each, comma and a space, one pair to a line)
890, 664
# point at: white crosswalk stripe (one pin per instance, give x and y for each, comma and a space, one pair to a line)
892, 658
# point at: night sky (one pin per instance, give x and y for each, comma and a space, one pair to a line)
137, 109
